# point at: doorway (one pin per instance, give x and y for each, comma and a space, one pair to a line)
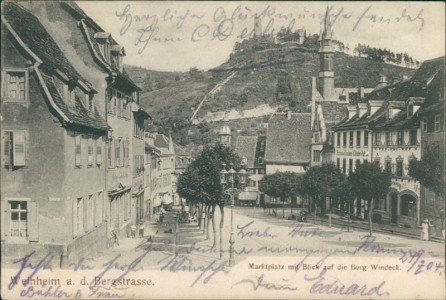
393, 208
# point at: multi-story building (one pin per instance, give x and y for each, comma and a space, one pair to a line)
432, 205
288, 143
251, 149
330, 104
385, 129
166, 169
53, 170
97, 54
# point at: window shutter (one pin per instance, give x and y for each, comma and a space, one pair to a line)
99, 151
78, 150
6, 148
19, 148
74, 215
33, 221
5, 215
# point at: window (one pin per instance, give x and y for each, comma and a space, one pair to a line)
388, 138
69, 96
350, 166
413, 137
410, 110
408, 206
377, 138
261, 171
400, 138
399, 168
261, 161
99, 151
366, 138
117, 153
437, 123
90, 212
14, 149
424, 124
15, 85
109, 154
351, 139
252, 183
358, 138
344, 136
338, 163
388, 166
78, 151
339, 140
316, 137
19, 219
90, 152
344, 169
111, 101
358, 162
316, 155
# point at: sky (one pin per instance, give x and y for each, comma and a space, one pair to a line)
178, 35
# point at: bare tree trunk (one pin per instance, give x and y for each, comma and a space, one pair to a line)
214, 228
199, 213
370, 217
222, 221
204, 218
208, 208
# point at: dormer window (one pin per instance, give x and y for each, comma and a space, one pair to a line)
103, 39
69, 96
89, 102
117, 52
244, 161
410, 110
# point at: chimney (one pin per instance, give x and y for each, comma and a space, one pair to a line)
382, 81
361, 92
288, 114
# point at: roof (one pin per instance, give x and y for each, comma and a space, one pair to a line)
161, 141
246, 146
333, 112
39, 41
417, 86
288, 140
78, 115
180, 151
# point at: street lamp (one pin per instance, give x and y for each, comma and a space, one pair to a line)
227, 180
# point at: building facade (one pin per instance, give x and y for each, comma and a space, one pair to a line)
53, 171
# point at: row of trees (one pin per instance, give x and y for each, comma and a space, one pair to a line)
200, 185
385, 55
327, 182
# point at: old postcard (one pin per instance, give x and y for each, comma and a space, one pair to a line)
222, 150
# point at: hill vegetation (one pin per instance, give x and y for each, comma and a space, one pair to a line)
259, 71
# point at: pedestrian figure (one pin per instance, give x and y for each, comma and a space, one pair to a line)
141, 229
133, 230
425, 230
114, 236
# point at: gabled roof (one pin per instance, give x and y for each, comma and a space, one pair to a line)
40, 42
416, 86
30, 33
333, 112
246, 146
161, 141
288, 140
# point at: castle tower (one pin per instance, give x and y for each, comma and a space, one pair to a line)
257, 26
326, 53
225, 133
